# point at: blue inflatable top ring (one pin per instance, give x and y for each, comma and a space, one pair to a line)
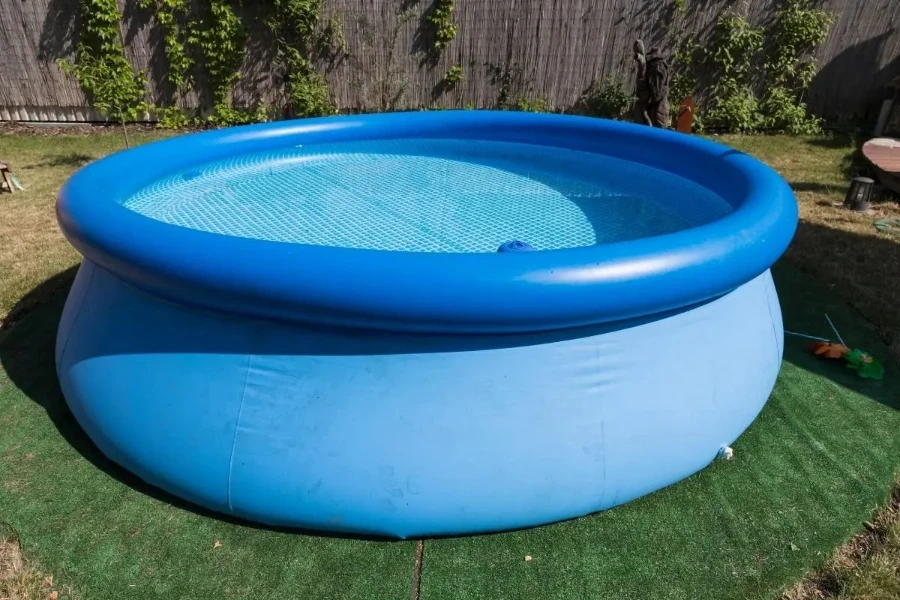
436, 292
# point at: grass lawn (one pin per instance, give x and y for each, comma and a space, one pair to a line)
840, 248
32, 248
815, 465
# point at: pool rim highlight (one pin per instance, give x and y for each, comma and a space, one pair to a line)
435, 292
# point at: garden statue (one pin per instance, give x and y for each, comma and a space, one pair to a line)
652, 87
641, 92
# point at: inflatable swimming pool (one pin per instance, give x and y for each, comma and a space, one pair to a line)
309, 323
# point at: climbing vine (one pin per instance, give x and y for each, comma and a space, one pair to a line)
333, 37
798, 29
101, 68
298, 37
735, 46
440, 18
171, 14
384, 83
220, 38
454, 75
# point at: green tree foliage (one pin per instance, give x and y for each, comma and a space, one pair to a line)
737, 54
798, 29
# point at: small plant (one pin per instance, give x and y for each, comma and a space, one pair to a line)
798, 29
737, 55
440, 18
736, 45
536, 105
454, 75
783, 112
735, 109
735, 48
608, 99
227, 116
511, 81
171, 117
789, 70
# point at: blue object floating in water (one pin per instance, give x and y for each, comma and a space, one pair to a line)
515, 246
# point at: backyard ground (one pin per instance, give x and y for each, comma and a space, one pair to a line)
810, 472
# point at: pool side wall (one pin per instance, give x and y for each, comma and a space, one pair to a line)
406, 434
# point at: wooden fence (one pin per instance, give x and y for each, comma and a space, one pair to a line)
549, 48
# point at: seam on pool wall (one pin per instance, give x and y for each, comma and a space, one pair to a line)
236, 427
599, 399
770, 289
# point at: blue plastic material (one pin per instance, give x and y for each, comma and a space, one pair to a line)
435, 292
414, 393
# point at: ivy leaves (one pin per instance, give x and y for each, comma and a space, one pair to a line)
103, 71
220, 37
440, 18
216, 42
295, 24
171, 14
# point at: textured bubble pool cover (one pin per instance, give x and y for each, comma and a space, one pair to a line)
429, 195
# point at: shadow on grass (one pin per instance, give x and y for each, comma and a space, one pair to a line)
804, 304
27, 356
819, 188
73, 160
838, 139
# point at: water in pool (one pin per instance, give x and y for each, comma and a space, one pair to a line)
429, 195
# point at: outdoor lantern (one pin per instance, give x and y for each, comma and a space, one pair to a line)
859, 194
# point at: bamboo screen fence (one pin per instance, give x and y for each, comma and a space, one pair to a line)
549, 49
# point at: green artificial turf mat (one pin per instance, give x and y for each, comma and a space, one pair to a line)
109, 540
805, 476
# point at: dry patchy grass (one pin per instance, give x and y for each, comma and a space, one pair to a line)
18, 579
866, 568
840, 248
31, 247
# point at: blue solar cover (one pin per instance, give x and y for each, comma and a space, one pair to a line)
429, 195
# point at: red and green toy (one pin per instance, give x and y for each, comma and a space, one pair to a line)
865, 365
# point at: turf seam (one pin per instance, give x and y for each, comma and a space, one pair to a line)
417, 570
234, 439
